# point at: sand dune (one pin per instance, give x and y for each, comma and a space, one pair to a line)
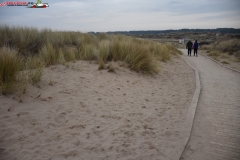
78, 112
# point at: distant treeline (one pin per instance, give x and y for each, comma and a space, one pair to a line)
152, 32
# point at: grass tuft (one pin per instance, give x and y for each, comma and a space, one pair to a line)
36, 49
87, 52
48, 54
214, 53
35, 75
103, 53
111, 67
102, 36
225, 49
225, 62
69, 53
61, 57
10, 65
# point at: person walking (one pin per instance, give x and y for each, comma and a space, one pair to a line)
189, 47
195, 48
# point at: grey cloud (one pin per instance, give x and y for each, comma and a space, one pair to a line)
104, 15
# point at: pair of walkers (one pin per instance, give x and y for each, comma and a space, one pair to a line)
191, 46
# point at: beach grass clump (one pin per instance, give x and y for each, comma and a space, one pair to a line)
214, 53
229, 46
34, 67
35, 75
142, 60
102, 36
132, 51
33, 62
69, 53
61, 57
160, 51
87, 52
226, 48
25, 39
10, 65
48, 54
225, 62
103, 53
225, 56
119, 48
35, 49
173, 50
140, 55
88, 38
111, 67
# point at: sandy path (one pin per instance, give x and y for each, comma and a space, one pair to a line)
216, 128
90, 114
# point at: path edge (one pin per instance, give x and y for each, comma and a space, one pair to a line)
192, 109
220, 63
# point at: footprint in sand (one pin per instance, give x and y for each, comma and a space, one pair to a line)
22, 138
82, 104
88, 111
61, 117
148, 119
97, 131
71, 155
80, 126
167, 134
10, 109
22, 114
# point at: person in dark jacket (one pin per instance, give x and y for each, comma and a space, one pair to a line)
195, 48
189, 47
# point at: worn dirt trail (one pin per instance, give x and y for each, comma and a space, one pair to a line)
216, 128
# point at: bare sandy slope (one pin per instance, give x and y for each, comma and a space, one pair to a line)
90, 114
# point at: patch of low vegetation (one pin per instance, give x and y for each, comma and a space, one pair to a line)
214, 53
225, 62
26, 51
10, 65
111, 67
229, 46
225, 49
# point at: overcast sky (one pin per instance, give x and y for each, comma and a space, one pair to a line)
125, 15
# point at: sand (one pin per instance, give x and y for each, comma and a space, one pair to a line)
80, 113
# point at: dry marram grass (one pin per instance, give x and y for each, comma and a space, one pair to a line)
36, 49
